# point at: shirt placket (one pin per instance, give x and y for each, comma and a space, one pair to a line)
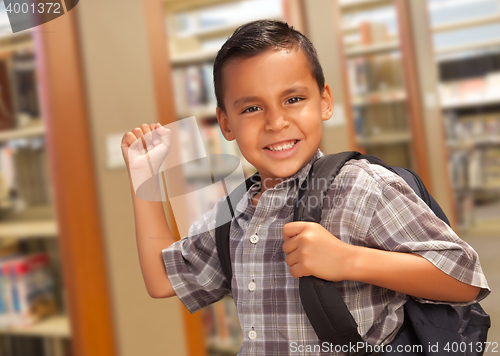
251, 283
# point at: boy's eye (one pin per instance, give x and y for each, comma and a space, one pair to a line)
295, 99
250, 109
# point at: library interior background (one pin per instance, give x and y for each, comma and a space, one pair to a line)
416, 83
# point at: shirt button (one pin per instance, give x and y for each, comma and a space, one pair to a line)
252, 334
252, 286
254, 238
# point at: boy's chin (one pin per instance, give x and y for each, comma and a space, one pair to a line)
283, 173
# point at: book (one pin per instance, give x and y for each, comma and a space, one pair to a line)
194, 90
208, 80
24, 68
195, 87
7, 117
28, 289
180, 90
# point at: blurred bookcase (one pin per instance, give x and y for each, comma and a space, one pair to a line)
466, 38
391, 97
376, 77
42, 308
27, 218
196, 30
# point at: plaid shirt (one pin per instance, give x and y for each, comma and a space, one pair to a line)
366, 205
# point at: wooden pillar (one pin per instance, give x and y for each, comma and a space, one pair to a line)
72, 172
426, 116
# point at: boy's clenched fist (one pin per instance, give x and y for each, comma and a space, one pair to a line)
144, 159
313, 251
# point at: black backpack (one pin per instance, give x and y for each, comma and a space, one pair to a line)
456, 330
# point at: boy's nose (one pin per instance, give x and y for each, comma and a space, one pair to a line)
276, 120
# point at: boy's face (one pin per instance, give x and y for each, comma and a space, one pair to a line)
272, 100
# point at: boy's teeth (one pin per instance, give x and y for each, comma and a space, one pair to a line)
283, 147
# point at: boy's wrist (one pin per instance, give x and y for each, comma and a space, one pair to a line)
355, 265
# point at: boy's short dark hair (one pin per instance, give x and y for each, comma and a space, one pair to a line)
256, 37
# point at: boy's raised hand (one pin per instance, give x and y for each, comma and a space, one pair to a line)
313, 251
144, 163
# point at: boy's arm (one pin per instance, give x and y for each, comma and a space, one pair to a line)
152, 231
408, 273
153, 235
313, 250
389, 237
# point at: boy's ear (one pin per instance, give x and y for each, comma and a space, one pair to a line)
224, 124
326, 103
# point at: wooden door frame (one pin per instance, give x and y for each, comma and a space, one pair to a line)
81, 245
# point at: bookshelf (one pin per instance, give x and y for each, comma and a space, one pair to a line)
56, 326
376, 82
389, 104
467, 54
196, 30
64, 221
28, 221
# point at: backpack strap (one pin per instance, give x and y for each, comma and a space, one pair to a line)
223, 225
329, 316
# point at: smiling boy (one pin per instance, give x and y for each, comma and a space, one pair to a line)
380, 245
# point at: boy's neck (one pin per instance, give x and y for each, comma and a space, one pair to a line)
266, 183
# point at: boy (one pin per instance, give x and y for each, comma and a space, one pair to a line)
377, 239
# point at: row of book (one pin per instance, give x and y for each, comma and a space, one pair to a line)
395, 154
193, 22
472, 90
375, 73
19, 102
471, 67
24, 175
222, 327
381, 118
475, 127
476, 169
473, 136
27, 292
491, 167
465, 208
200, 138
14, 345
380, 112
194, 90
216, 143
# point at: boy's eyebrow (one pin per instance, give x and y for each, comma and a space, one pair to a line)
291, 90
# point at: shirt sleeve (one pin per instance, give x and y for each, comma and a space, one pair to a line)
402, 222
193, 266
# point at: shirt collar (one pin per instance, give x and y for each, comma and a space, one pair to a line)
301, 175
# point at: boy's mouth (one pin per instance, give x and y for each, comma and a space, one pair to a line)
283, 146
